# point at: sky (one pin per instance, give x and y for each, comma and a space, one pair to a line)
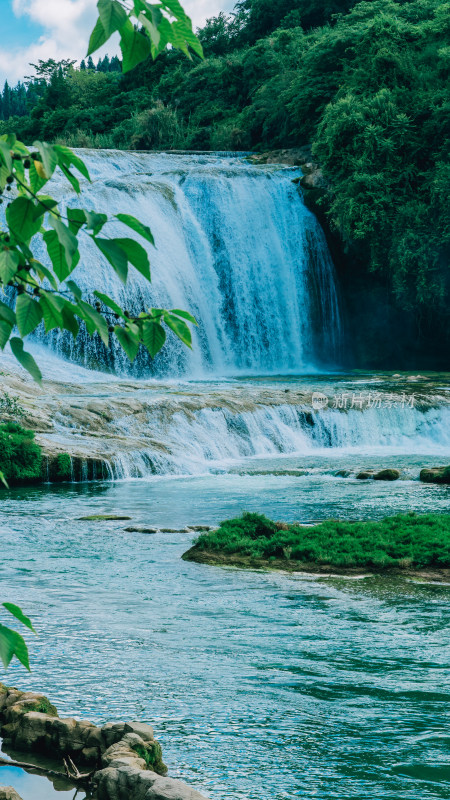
34, 29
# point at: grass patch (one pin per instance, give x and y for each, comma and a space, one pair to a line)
152, 755
412, 541
20, 455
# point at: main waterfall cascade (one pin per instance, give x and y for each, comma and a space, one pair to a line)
235, 246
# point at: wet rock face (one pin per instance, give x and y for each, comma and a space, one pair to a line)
387, 475
435, 475
124, 757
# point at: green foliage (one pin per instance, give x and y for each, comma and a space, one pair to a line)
411, 540
20, 455
10, 407
12, 643
152, 755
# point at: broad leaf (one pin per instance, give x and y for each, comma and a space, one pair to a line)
68, 158
51, 306
12, 644
94, 321
66, 238
18, 614
77, 219
185, 315
136, 226
57, 255
95, 222
110, 303
23, 218
43, 272
74, 182
97, 38
49, 157
68, 314
36, 180
5, 153
28, 314
112, 15
179, 328
136, 255
9, 264
5, 333
153, 336
75, 289
115, 255
134, 45
26, 359
7, 314
128, 341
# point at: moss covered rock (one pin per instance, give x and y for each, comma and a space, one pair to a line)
435, 475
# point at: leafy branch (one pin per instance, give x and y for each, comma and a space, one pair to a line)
12, 643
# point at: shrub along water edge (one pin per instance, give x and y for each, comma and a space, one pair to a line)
405, 541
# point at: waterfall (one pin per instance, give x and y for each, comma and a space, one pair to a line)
236, 247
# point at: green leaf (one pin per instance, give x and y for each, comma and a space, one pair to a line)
3, 480
5, 333
97, 322
97, 38
57, 254
28, 314
74, 288
9, 264
115, 255
68, 316
136, 255
51, 306
43, 272
136, 226
74, 182
151, 28
12, 644
66, 238
36, 181
153, 336
7, 314
110, 303
49, 157
77, 219
5, 153
23, 218
26, 359
18, 614
112, 16
95, 222
134, 45
68, 158
185, 315
179, 328
128, 341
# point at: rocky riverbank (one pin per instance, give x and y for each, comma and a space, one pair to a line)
117, 761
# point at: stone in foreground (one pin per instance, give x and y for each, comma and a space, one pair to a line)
435, 475
123, 760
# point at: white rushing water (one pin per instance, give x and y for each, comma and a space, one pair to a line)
235, 246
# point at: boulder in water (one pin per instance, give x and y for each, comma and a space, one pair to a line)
387, 475
103, 517
435, 475
365, 474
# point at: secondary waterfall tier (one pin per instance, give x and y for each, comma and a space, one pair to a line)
235, 246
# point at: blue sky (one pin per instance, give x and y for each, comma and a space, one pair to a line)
33, 29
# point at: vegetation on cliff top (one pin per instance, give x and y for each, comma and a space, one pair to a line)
411, 541
367, 84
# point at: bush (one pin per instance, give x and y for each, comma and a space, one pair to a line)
405, 540
20, 456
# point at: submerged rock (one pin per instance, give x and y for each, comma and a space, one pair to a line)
199, 527
435, 475
99, 517
140, 530
387, 475
124, 758
365, 474
342, 473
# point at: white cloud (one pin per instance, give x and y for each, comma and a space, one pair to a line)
66, 27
